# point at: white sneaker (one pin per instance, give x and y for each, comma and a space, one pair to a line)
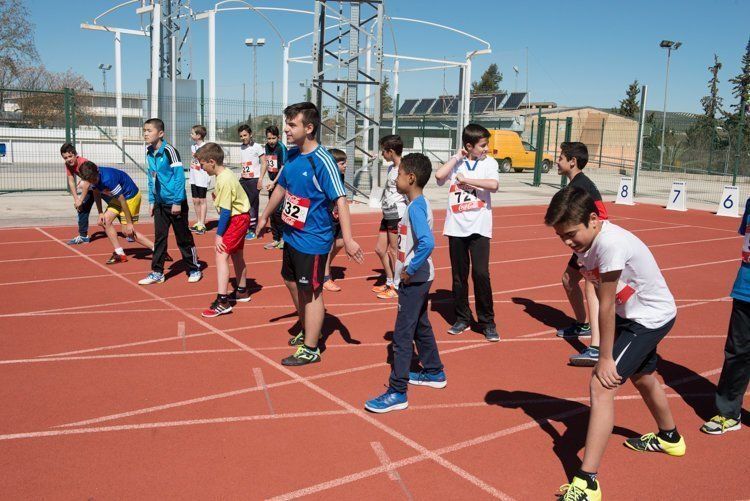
152, 278
195, 276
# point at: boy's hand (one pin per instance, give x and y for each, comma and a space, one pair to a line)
176, 209
606, 372
260, 184
220, 247
262, 227
128, 230
354, 251
270, 186
405, 277
460, 178
77, 203
100, 221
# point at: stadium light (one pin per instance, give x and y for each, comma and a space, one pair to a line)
670, 46
254, 44
105, 68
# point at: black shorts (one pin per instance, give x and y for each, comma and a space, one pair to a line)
198, 191
307, 270
573, 262
337, 230
389, 225
634, 350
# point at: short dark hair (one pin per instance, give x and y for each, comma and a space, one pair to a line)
577, 150
310, 114
392, 142
210, 151
337, 154
244, 127
273, 130
571, 205
156, 122
472, 133
68, 148
88, 171
419, 165
200, 130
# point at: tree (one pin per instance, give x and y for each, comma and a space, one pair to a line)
629, 106
741, 83
737, 123
17, 46
386, 101
489, 82
712, 103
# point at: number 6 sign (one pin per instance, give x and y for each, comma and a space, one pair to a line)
728, 203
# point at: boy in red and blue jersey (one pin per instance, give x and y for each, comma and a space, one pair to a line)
308, 185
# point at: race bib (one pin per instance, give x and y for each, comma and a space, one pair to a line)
272, 164
746, 248
247, 169
402, 229
194, 163
623, 292
591, 275
464, 198
295, 211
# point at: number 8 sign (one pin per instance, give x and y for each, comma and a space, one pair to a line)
625, 191
728, 205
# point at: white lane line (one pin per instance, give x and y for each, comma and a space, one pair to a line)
181, 334
261, 383
392, 473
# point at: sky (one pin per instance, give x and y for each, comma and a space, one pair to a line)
579, 52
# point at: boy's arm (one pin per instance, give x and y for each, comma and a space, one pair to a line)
352, 248
274, 200
85, 186
483, 184
425, 239
73, 189
606, 370
263, 167
128, 230
444, 172
97, 200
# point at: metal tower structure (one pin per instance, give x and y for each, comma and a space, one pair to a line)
174, 36
362, 22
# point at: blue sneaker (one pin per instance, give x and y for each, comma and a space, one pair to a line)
79, 240
422, 378
588, 358
152, 278
250, 235
389, 401
195, 276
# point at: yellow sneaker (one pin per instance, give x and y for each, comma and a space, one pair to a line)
650, 442
388, 293
719, 425
578, 490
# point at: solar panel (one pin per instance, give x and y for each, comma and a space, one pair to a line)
480, 104
424, 106
514, 101
453, 108
407, 106
442, 105
499, 99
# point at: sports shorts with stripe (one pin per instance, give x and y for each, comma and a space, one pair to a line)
634, 350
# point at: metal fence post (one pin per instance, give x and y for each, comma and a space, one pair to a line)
73, 114
395, 114
639, 139
539, 152
740, 138
601, 143
66, 107
422, 127
203, 105
568, 134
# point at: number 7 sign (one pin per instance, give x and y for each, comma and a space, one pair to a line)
677, 196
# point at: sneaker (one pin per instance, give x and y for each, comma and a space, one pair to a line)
152, 278
650, 442
200, 231
578, 490
491, 335
302, 356
389, 293
719, 425
575, 330
587, 358
379, 288
271, 245
117, 258
195, 276
458, 328
195, 227
389, 401
280, 245
331, 286
299, 339
217, 308
422, 378
79, 240
241, 297
250, 235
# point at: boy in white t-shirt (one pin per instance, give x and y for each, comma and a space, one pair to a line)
393, 205
473, 177
253, 164
198, 180
636, 311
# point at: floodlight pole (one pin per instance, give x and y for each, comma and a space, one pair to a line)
669, 45
155, 57
284, 86
395, 95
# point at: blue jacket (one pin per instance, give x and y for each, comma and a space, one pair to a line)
741, 288
166, 178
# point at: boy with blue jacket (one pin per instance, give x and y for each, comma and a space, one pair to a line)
166, 194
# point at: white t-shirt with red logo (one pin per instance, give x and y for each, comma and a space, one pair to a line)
642, 293
469, 208
197, 175
250, 160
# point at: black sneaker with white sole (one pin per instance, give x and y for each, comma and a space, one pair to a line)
491, 335
458, 328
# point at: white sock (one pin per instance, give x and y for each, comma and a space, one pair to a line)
119, 251
389, 282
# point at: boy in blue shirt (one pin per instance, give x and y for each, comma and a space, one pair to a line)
415, 272
308, 185
735, 374
166, 193
123, 202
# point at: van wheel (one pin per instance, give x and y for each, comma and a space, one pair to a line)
506, 165
546, 165
517, 169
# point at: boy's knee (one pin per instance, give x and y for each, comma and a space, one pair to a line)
380, 251
597, 390
643, 381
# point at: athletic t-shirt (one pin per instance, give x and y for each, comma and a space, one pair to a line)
416, 242
197, 175
470, 209
114, 182
393, 202
229, 194
250, 160
312, 182
642, 293
73, 171
275, 159
741, 288
582, 181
